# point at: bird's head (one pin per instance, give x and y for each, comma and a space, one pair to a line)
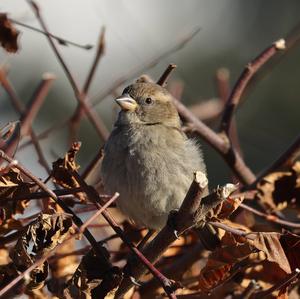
148, 104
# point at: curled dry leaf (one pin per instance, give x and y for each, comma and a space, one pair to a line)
41, 236
8, 34
270, 244
63, 170
279, 249
12, 184
226, 208
278, 189
92, 279
222, 260
9, 138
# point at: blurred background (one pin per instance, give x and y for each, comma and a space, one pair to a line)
232, 33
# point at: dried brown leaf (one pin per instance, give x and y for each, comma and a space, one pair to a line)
269, 243
291, 246
8, 34
9, 138
226, 207
41, 236
63, 170
278, 189
222, 260
92, 279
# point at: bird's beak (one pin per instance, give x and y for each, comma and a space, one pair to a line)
126, 103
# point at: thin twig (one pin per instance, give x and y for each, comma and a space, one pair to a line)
242, 82
157, 246
283, 160
81, 230
35, 103
38, 97
60, 40
40, 195
294, 276
223, 87
232, 158
76, 117
80, 96
166, 74
167, 285
134, 73
271, 218
179, 44
238, 232
99, 54
97, 248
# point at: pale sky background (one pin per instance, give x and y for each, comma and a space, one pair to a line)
233, 32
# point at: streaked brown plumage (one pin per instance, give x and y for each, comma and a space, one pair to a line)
147, 158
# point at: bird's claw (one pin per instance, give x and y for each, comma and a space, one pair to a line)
172, 222
175, 232
134, 281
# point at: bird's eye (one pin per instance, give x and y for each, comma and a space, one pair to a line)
148, 101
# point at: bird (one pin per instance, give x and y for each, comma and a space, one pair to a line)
148, 159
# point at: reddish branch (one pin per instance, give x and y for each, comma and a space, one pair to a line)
285, 158
35, 103
167, 285
223, 87
191, 213
220, 144
166, 75
27, 114
97, 248
80, 96
271, 218
75, 119
40, 261
293, 277
151, 63
60, 40
242, 82
132, 74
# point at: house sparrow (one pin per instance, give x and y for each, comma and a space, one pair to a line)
147, 158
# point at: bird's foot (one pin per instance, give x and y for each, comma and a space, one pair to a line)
172, 222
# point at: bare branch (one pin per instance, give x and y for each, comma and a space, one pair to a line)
60, 40
35, 104
167, 73
98, 249
81, 97
285, 158
40, 261
242, 82
183, 221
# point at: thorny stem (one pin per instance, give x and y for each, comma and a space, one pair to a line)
223, 87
